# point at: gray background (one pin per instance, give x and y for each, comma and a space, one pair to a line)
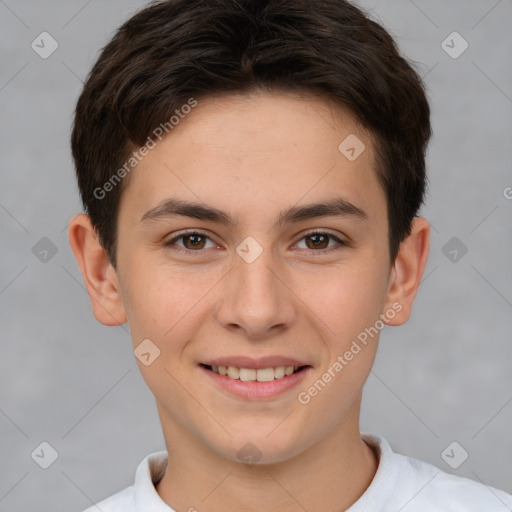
66, 379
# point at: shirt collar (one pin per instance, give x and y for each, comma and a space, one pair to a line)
152, 468
380, 490
148, 474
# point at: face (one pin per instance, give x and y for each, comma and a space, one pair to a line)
256, 277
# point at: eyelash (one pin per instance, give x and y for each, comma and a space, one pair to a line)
341, 244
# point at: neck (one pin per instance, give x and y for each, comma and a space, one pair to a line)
330, 475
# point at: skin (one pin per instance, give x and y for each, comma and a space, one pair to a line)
252, 157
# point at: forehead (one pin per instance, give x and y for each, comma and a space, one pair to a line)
257, 152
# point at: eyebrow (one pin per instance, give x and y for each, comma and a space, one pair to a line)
336, 207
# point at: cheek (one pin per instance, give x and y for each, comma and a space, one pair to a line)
347, 299
165, 310
162, 302
157, 309
350, 306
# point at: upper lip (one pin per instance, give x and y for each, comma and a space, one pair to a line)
257, 363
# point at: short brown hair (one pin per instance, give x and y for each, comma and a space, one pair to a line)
175, 50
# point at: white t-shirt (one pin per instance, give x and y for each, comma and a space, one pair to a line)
401, 484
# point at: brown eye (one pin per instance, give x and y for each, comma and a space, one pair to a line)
192, 242
319, 241
196, 242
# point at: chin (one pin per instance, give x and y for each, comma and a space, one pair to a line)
256, 447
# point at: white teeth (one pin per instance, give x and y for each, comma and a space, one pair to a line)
251, 374
279, 372
265, 374
247, 374
233, 372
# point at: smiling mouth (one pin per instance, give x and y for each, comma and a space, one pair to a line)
252, 374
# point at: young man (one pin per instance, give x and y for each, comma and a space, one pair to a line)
251, 173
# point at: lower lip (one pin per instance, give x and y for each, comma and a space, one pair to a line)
254, 390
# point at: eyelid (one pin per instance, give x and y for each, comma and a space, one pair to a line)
340, 242
319, 231
170, 242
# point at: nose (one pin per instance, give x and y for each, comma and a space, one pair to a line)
256, 299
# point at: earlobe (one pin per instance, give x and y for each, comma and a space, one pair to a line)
99, 276
407, 271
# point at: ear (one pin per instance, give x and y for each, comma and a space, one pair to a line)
407, 271
98, 274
